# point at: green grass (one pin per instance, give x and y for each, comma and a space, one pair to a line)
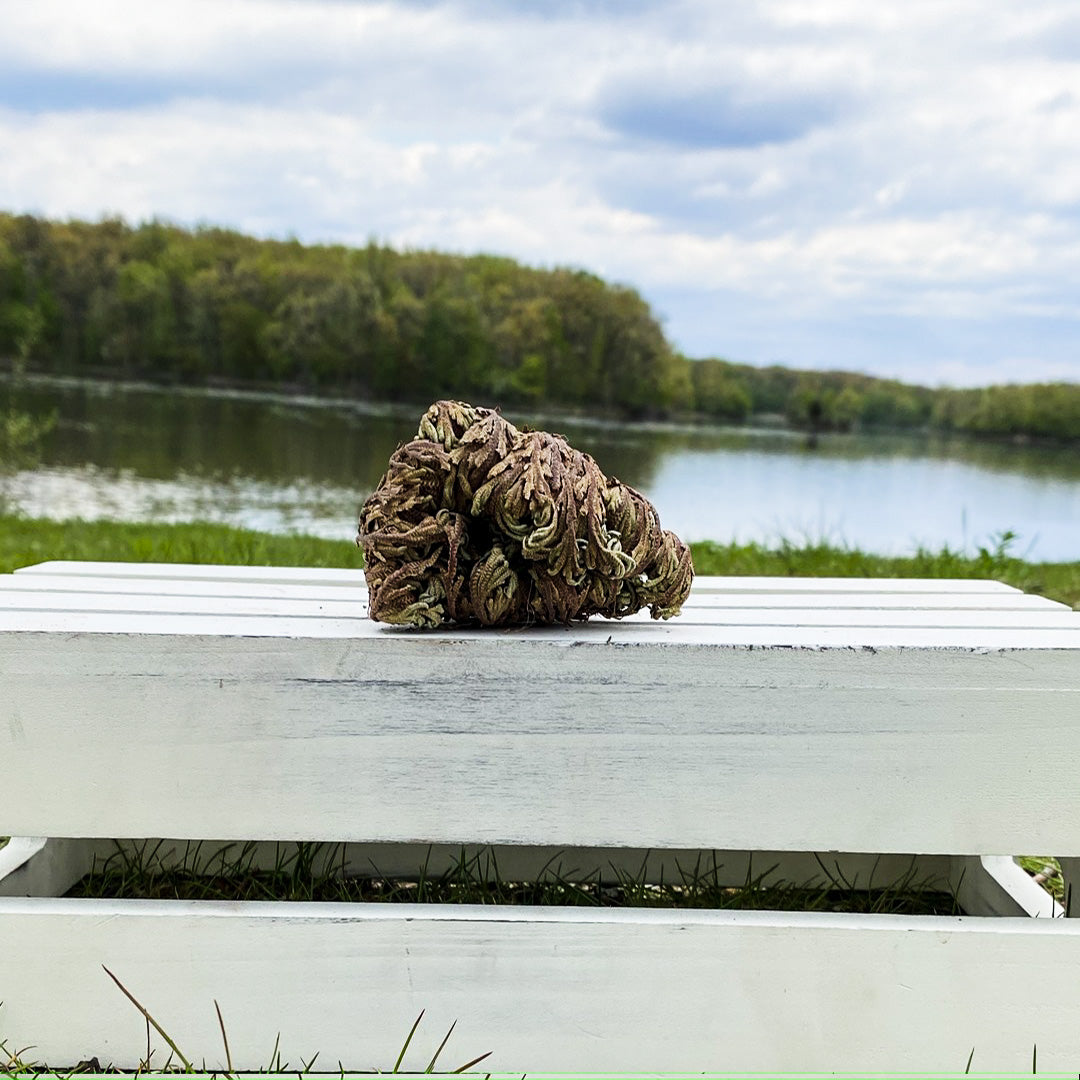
1059, 581
24, 541
313, 872
15, 1061
1050, 869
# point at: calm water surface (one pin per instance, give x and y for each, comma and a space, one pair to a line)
305, 465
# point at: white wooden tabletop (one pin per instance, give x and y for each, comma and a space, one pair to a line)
774, 714
251, 601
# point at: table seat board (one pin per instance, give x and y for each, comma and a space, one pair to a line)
570, 991
332, 576
354, 606
1006, 600
138, 598
803, 727
624, 633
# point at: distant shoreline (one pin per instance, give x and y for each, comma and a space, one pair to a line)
295, 394
218, 308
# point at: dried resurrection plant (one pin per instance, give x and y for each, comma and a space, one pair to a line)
478, 522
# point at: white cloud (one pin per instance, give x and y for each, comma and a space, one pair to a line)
193, 36
803, 164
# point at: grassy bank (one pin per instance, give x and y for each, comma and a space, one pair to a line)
1059, 581
28, 540
24, 541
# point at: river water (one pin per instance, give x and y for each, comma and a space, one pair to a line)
305, 465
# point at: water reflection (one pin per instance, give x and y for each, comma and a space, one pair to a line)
295, 464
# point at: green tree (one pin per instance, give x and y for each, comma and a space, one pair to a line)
846, 408
144, 336
212, 303
718, 392
21, 432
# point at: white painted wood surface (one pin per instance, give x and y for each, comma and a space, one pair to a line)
575, 990
632, 631
34, 600
588, 736
1005, 599
784, 714
346, 577
738, 612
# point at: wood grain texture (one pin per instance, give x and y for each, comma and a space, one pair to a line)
753, 729
572, 990
532, 740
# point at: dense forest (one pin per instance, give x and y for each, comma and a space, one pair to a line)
211, 305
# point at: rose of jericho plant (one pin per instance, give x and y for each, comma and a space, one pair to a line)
477, 521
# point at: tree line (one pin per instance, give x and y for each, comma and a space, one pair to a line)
211, 305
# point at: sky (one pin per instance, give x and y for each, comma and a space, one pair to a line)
889, 187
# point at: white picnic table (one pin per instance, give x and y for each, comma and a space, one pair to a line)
869, 721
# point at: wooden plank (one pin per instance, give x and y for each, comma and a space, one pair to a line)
36, 866
566, 990
1018, 892
199, 572
324, 576
16, 853
525, 739
187, 604
165, 586
626, 632
1010, 600
173, 604
915, 601
848, 585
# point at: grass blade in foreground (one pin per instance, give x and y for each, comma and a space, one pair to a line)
157, 1027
